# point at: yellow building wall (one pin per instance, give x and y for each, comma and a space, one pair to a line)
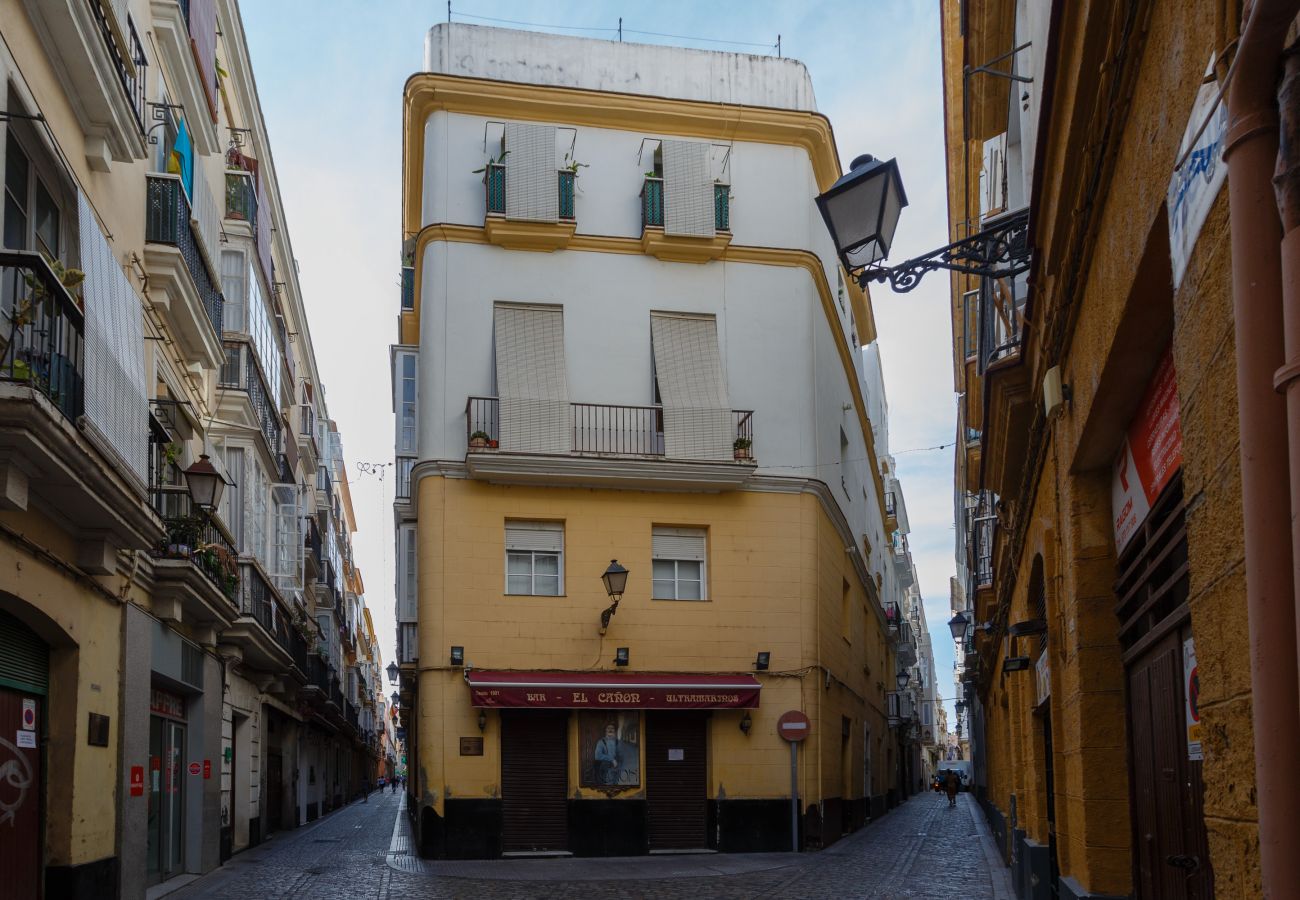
775, 572
85, 665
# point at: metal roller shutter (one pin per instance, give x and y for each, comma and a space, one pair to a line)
534, 781
676, 780
678, 543
24, 657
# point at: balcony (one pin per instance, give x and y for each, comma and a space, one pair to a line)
679, 247
891, 512
196, 574
408, 647
241, 197
42, 329
611, 446
182, 283
185, 32
520, 234
262, 633
240, 371
408, 288
98, 58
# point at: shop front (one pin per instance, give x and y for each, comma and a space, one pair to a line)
598, 764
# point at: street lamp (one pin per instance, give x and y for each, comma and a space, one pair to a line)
958, 625
396, 698
902, 679
392, 673
204, 483
615, 579
861, 212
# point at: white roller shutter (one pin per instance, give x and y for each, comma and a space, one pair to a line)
531, 381
206, 218
692, 387
407, 577
547, 537
532, 178
116, 405
678, 543
688, 189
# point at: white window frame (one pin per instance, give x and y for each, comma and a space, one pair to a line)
518, 545
660, 556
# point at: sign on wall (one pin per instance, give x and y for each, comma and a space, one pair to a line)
1193, 187
1192, 700
1152, 452
609, 748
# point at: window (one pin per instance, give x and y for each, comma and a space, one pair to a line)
405, 388
678, 563
535, 558
234, 288
404, 466
407, 584
32, 216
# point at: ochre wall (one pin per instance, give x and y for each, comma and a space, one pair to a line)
776, 568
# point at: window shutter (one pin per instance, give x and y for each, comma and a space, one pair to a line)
116, 407
532, 178
688, 366
688, 189
206, 218
678, 543
234, 290
24, 657
407, 578
531, 381
543, 536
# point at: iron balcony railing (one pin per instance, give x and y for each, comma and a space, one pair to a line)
601, 429
892, 615
258, 600
891, 504
241, 197
241, 372
1002, 312
298, 649
494, 182
336, 692
195, 535
130, 77
167, 221
42, 330
318, 673
408, 288
652, 204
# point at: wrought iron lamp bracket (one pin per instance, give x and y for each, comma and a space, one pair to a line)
999, 251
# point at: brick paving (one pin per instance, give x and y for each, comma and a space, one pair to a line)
919, 850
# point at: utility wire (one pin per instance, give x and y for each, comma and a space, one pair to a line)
620, 31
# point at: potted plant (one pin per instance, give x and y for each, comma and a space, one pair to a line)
740, 448
479, 439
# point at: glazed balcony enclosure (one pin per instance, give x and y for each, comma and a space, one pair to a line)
624, 446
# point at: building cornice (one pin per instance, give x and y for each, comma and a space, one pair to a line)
763, 256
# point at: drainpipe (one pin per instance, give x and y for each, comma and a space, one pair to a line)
1251, 152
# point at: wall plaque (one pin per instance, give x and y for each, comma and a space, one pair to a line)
471, 746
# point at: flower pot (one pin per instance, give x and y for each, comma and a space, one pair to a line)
493, 444
478, 442
742, 453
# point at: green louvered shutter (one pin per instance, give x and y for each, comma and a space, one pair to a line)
24, 658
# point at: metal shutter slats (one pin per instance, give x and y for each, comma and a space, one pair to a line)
24, 658
115, 401
688, 189
207, 221
678, 543
531, 380
676, 789
544, 536
532, 182
534, 781
692, 387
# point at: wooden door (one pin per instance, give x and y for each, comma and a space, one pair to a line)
274, 792
20, 793
534, 781
676, 780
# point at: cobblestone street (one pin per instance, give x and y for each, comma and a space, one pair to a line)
921, 849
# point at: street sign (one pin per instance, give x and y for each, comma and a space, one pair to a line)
207, 768
195, 768
793, 726
137, 781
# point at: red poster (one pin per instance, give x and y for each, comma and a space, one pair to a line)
1151, 454
137, 781
207, 768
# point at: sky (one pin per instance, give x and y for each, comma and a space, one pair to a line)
330, 76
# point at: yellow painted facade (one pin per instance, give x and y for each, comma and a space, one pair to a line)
1102, 307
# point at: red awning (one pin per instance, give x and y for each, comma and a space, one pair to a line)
611, 690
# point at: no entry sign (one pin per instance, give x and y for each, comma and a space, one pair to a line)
793, 726
195, 768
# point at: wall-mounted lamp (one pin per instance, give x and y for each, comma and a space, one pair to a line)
397, 700
392, 673
746, 723
1055, 393
1015, 664
482, 720
458, 656
761, 663
621, 656
903, 678
615, 579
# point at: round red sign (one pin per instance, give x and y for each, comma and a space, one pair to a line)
195, 768
793, 726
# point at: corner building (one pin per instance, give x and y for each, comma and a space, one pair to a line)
624, 336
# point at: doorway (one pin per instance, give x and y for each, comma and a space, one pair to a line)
166, 819
534, 781
676, 780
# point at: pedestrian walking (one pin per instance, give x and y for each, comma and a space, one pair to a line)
950, 786
365, 789
394, 783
